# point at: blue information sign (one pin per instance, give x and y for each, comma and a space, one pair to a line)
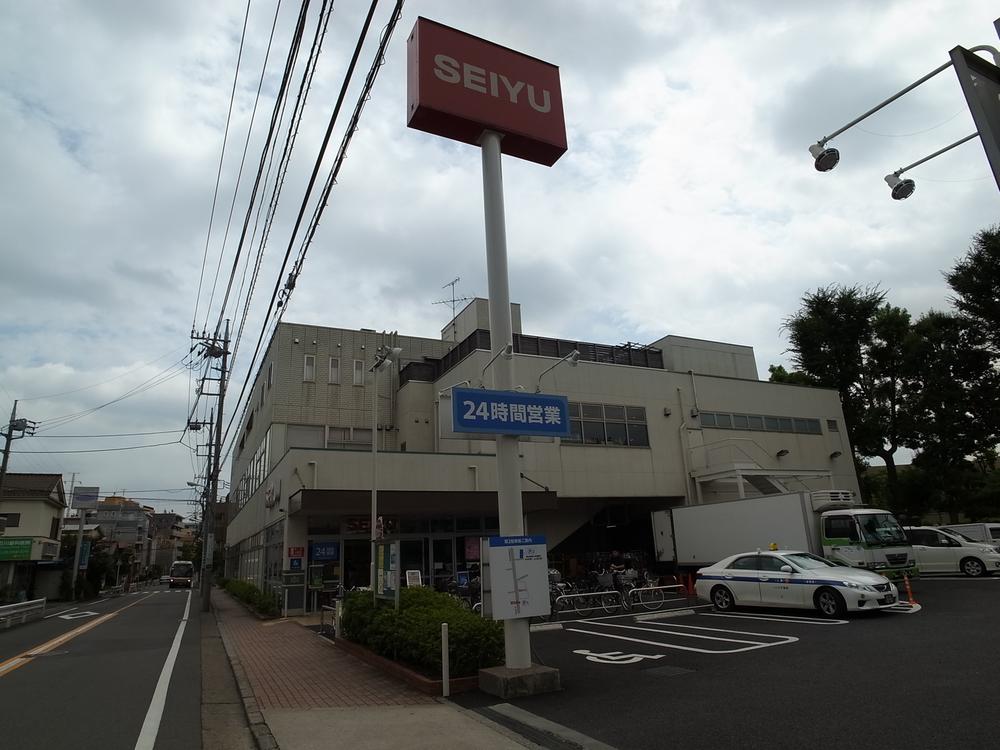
324, 551
509, 413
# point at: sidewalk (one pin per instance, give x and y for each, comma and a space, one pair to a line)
309, 693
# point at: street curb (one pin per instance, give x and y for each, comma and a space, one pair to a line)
255, 718
490, 724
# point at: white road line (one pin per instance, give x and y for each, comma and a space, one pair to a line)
788, 639
151, 724
781, 618
60, 613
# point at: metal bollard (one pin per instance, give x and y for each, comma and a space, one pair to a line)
445, 686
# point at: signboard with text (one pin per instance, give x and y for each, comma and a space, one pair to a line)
387, 571
14, 548
459, 85
519, 577
296, 551
509, 413
324, 551
85, 498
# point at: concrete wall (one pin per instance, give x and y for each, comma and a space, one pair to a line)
682, 354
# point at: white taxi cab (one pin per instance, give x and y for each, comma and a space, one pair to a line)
785, 578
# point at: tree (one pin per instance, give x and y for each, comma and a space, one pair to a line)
954, 393
975, 280
849, 339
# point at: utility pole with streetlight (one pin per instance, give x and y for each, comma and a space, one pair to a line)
214, 347
980, 83
384, 357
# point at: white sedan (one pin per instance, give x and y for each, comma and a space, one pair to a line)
785, 578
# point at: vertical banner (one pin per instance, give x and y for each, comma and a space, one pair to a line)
387, 571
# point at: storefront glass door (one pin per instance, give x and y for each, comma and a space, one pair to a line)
442, 561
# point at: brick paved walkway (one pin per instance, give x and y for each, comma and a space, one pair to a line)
289, 666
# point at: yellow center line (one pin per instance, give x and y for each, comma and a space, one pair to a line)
15, 662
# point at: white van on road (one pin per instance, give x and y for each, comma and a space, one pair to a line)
987, 533
942, 551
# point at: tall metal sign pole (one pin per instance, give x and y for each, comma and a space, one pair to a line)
468, 89
517, 636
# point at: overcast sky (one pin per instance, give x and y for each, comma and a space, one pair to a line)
687, 202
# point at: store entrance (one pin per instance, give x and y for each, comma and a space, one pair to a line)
442, 561
357, 563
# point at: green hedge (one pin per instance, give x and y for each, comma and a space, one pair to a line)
249, 593
413, 634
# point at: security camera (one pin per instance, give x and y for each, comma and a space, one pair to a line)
901, 189
826, 158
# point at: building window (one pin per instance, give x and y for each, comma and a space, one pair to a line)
270, 374
607, 424
756, 422
13, 519
831, 425
334, 370
54, 529
309, 368
359, 372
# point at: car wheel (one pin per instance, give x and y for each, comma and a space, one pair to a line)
830, 603
722, 599
973, 567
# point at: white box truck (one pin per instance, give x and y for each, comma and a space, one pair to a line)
831, 524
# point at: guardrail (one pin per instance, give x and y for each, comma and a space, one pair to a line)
20, 613
113, 590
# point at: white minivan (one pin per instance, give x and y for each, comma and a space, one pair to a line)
942, 551
987, 533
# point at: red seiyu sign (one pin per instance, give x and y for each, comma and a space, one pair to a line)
459, 85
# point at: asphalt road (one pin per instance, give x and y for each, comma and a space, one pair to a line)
780, 678
92, 678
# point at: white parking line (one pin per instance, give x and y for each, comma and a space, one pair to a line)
780, 618
662, 625
676, 647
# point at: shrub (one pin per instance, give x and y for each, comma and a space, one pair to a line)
253, 596
413, 634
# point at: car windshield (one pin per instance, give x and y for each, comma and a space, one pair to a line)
807, 561
957, 534
882, 529
181, 571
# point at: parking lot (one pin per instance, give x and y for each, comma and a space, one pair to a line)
695, 678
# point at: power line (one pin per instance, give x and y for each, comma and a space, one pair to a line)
218, 175
112, 434
294, 124
102, 450
158, 379
305, 200
243, 159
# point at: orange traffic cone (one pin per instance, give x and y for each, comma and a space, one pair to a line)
909, 591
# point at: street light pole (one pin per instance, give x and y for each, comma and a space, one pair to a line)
383, 358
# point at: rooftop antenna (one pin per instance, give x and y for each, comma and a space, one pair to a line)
454, 305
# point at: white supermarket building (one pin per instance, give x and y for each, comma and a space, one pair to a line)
680, 421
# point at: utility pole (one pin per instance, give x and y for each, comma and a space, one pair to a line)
205, 523
26, 427
214, 349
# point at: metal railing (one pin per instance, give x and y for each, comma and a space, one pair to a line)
609, 601
329, 620
652, 597
20, 613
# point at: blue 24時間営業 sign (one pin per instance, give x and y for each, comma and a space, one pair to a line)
509, 413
